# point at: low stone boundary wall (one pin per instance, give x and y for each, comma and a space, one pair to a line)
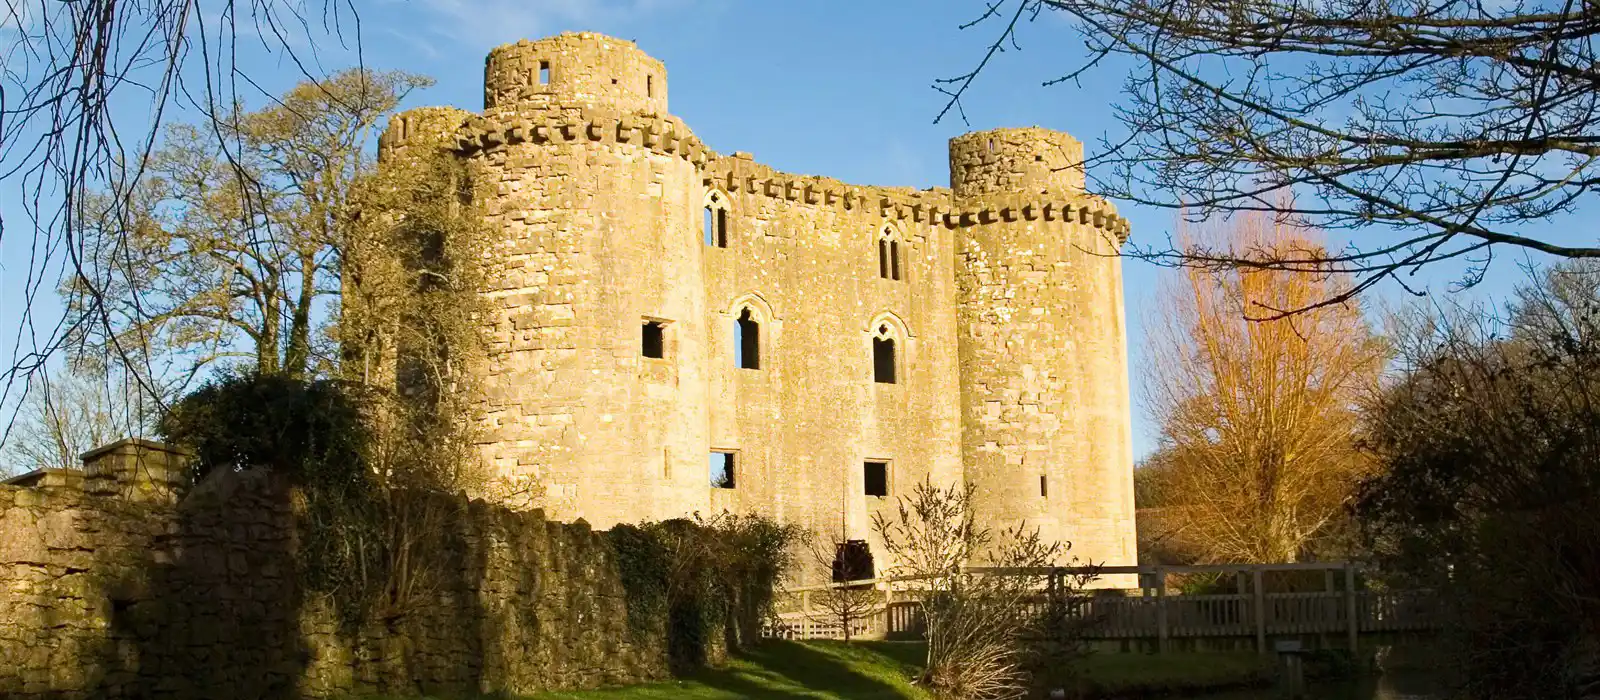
112, 587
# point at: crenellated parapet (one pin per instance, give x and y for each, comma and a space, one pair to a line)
435, 127
740, 174
665, 135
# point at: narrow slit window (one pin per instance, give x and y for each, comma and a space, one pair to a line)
883, 360
1044, 486
888, 254
875, 475
654, 340
714, 227
544, 72
722, 470
649, 86
747, 341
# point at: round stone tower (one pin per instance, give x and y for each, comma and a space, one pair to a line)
1045, 410
591, 198
574, 70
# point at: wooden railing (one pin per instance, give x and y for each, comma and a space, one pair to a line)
1152, 612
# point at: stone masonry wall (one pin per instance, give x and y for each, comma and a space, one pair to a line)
105, 596
1007, 317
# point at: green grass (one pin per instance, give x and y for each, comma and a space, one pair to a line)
782, 670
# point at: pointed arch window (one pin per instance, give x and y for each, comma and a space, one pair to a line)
888, 253
747, 340
714, 226
883, 359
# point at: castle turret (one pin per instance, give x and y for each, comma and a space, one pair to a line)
591, 197
574, 70
1044, 384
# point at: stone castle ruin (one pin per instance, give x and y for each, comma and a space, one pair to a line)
674, 331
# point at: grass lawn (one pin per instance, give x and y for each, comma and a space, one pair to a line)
781, 669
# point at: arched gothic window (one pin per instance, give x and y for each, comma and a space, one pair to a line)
883, 365
747, 341
714, 228
889, 253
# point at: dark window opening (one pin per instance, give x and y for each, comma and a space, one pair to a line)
1044, 487
655, 339
722, 470
876, 476
852, 561
883, 258
544, 72
747, 341
649, 86
894, 260
883, 360
715, 227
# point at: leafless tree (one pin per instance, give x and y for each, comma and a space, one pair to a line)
983, 629
66, 415
78, 76
233, 237
1436, 129
839, 602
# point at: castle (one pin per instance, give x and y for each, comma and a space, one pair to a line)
674, 330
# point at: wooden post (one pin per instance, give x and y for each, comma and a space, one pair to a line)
1162, 633
805, 614
1354, 626
1261, 611
888, 602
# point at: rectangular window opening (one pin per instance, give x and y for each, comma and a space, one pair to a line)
710, 227
1044, 486
883, 360
883, 258
649, 86
876, 476
894, 259
654, 341
722, 470
722, 228
544, 72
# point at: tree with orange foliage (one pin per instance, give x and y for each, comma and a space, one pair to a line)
1257, 408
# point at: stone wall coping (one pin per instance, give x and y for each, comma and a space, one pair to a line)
140, 443
739, 173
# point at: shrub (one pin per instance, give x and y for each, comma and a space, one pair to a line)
704, 583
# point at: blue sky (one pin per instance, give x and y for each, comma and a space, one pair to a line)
825, 87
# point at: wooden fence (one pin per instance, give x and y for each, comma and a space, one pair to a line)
1343, 606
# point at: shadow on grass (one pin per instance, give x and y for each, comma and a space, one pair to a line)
817, 670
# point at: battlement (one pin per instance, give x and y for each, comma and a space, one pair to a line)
432, 126
574, 69
1031, 160
1057, 200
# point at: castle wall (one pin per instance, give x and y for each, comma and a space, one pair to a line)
1007, 319
806, 421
